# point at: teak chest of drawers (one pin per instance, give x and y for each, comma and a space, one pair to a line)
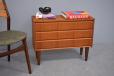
62, 33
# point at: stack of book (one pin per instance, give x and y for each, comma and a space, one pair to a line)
75, 14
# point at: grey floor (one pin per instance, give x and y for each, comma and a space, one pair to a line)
66, 62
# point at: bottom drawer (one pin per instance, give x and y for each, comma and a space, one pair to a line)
83, 42
46, 44
66, 43
63, 43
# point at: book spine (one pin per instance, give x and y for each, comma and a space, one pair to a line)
76, 16
64, 15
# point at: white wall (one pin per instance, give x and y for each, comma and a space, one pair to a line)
102, 10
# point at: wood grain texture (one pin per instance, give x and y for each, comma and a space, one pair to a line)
66, 33
62, 33
1, 5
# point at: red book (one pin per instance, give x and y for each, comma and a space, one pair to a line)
75, 14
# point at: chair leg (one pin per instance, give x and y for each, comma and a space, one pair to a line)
9, 47
81, 51
86, 53
27, 56
38, 54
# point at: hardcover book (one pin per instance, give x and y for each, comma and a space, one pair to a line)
75, 14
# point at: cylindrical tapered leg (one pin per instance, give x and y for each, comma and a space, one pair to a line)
38, 54
81, 51
8, 28
9, 47
86, 53
27, 56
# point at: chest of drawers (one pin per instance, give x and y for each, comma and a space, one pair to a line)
62, 33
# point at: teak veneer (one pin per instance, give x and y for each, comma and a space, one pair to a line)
62, 33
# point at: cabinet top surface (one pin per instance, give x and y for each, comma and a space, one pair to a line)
60, 18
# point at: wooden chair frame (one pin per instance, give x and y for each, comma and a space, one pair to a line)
22, 47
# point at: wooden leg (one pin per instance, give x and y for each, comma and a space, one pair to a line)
38, 54
9, 47
81, 51
86, 53
27, 56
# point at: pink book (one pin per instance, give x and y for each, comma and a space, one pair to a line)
76, 14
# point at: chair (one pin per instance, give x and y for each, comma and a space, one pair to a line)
10, 37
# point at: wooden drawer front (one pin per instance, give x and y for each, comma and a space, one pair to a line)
52, 26
83, 25
83, 42
83, 34
46, 44
78, 25
66, 26
66, 34
46, 36
2, 5
66, 43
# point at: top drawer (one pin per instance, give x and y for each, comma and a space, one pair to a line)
83, 25
75, 25
49, 26
62, 26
